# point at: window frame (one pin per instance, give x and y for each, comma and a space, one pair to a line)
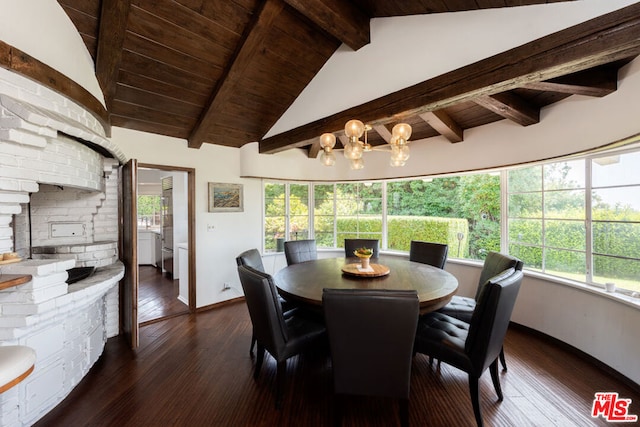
587, 189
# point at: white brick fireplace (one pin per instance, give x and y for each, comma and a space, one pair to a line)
58, 210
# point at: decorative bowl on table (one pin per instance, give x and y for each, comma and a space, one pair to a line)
364, 254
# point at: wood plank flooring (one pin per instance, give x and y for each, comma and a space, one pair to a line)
157, 296
195, 370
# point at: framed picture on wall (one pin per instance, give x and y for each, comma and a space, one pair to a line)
225, 197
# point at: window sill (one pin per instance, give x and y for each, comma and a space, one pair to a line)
621, 296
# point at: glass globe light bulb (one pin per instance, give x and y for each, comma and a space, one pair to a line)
354, 129
348, 151
404, 153
327, 140
395, 162
353, 151
357, 164
358, 149
402, 131
328, 158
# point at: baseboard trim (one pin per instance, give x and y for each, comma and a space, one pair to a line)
220, 304
581, 354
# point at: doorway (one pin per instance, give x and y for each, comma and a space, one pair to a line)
166, 246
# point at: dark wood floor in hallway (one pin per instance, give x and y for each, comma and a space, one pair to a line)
157, 295
195, 370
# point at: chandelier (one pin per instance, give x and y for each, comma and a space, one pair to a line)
398, 145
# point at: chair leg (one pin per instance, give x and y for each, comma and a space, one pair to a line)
502, 361
253, 343
259, 359
475, 399
493, 368
404, 412
280, 382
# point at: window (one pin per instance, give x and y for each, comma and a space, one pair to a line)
578, 219
615, 220
149, 211
286, 214
324, 215
559, 227
358, 211
274, 217
461, 211
546, 218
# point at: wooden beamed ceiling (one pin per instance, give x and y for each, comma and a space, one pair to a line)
224, 72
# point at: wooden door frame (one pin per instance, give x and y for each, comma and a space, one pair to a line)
128, 250
191, 223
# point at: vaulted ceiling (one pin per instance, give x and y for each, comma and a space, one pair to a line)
223, 72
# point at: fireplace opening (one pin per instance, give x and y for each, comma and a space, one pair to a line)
78, 273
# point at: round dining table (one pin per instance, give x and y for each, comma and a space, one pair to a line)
304, 282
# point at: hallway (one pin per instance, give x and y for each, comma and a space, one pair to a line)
157, 296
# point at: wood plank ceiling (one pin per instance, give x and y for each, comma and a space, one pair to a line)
223, 72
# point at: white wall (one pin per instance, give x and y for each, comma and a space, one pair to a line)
42, 29
233, 232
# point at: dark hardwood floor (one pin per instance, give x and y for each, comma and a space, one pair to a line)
195, 370
157, 296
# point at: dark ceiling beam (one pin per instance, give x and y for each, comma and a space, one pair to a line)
113, 27
605, 39
341, 19
510, 106
258, 30
343, 140
314, 150
444, 125
600, 81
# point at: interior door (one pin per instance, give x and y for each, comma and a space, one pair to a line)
129, 251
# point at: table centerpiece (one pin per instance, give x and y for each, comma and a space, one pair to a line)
364, 254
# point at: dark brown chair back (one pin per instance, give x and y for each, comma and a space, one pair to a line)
265, 311
297, 251
494, 264
281, 337
371, 335
475, 346
491, 319
434, 254
251, 258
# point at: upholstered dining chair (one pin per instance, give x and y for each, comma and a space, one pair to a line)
253, 259
371, 336
462, 307
350, 245
430, 253
297, 251
473, 347
281, 337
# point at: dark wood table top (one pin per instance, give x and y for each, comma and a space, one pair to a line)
305, 281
